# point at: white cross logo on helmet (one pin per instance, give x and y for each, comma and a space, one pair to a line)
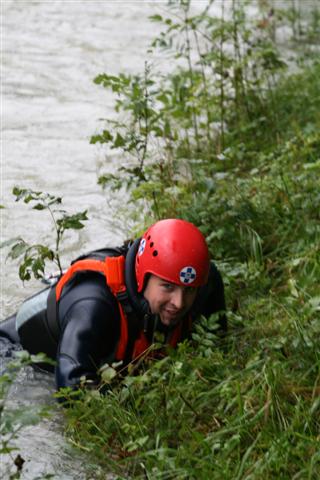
187, 275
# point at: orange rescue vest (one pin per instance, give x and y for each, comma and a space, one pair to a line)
113, 270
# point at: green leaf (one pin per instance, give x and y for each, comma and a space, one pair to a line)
119, 141
114, 181
163, 98
156, 18
42, 358
73, 221
23, 356
315, 303
9, 242
18, 249
19, 192
24, 269
133, 445
44, 199
38, 267
104, 137
39, 206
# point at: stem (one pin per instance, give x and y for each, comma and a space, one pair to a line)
156, 207
240, 91
293, 21
222, 96
187, 140
204, 78
205, 89
59, 234
146, 116
193, 409
299, 19
235, 72
194, 116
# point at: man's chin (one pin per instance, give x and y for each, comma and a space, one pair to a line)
170, 320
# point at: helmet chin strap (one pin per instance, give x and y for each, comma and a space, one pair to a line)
155, 325
137, 299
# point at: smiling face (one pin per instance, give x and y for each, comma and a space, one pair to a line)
170, 301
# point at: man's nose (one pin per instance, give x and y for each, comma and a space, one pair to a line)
178, 299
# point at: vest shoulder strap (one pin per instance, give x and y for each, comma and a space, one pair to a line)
113, 270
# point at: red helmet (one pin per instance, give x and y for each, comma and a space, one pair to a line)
174, 250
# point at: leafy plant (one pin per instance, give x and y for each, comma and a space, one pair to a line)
220, 100
36, 255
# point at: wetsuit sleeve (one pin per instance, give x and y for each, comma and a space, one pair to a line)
89, 320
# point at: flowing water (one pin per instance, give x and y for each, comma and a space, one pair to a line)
51, 51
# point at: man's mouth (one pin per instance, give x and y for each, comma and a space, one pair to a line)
172, 313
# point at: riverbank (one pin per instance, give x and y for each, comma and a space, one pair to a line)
245, 406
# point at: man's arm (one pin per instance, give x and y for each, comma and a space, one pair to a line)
90, 323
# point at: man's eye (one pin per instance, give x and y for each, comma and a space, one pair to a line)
167, 286
190, 290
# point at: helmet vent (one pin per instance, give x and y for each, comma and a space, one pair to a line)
151, 244
155, 253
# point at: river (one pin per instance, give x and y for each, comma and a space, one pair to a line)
51, 51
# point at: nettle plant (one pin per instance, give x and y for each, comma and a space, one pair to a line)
172, 128
33, 257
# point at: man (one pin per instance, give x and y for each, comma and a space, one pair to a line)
111, 304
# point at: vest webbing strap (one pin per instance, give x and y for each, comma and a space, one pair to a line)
113, 270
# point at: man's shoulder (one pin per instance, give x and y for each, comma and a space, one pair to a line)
102, 253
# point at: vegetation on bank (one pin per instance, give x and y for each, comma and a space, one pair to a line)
246, 406
228, 139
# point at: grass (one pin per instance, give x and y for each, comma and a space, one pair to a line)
246, 406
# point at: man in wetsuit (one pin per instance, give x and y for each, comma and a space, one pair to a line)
110, 305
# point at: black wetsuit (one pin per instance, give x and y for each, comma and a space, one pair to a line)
89, 322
